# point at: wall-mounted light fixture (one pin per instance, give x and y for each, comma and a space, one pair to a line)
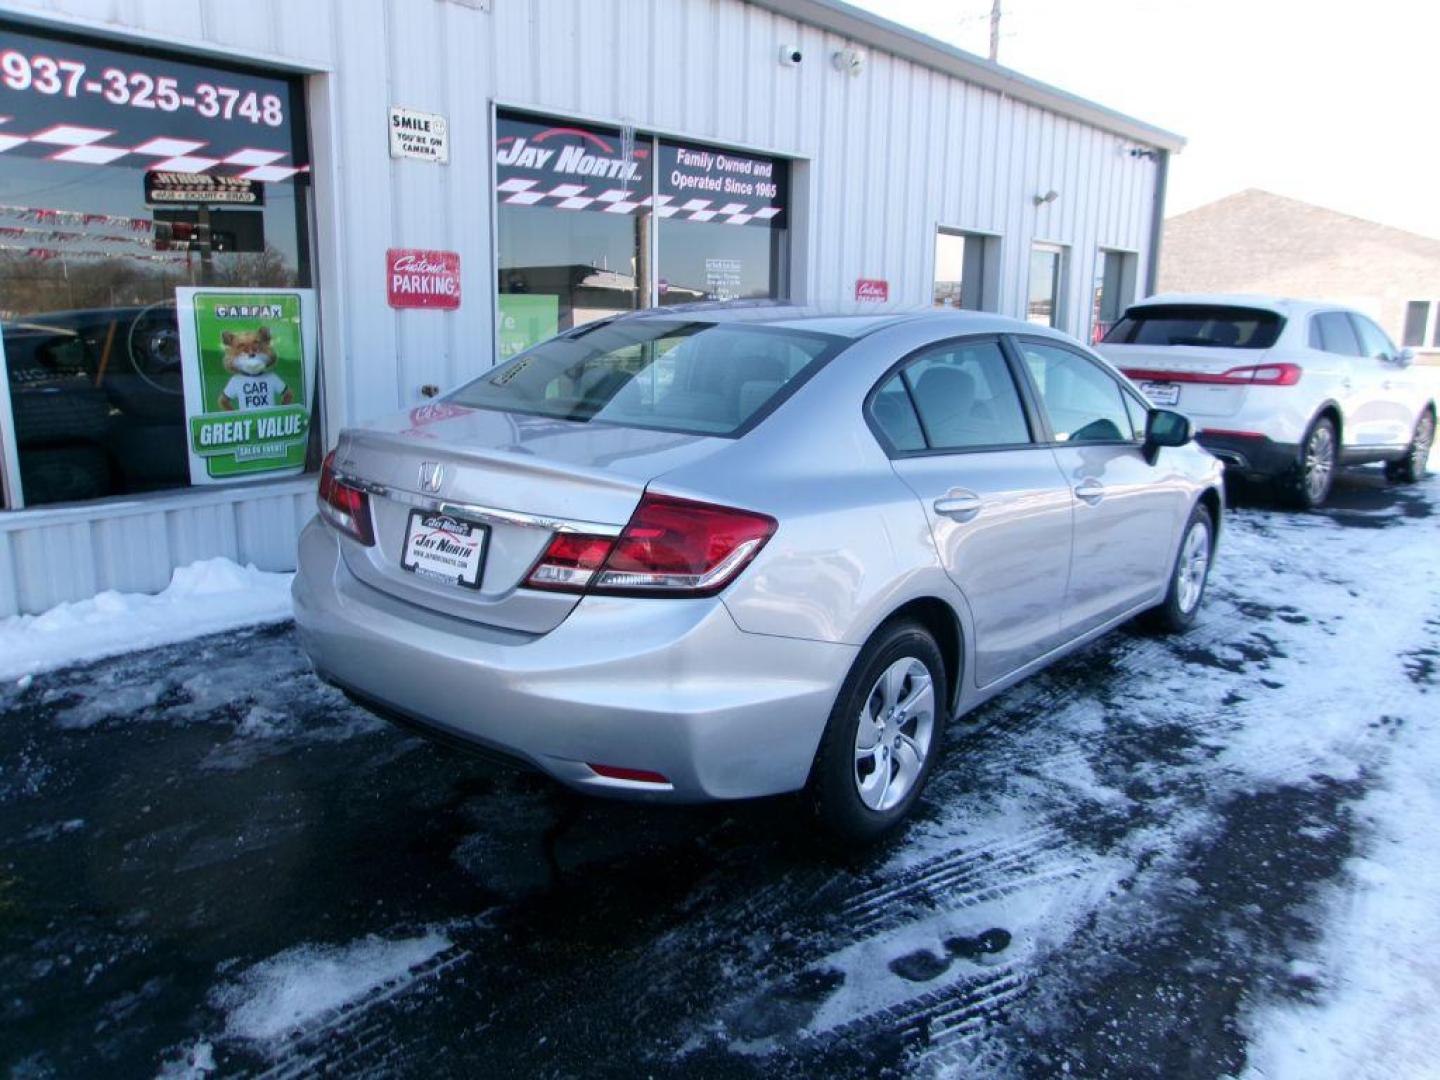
849, 60
1049, 197
1144, 152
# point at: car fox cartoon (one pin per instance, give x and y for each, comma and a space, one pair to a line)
250, 359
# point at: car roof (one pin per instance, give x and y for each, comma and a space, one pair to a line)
1280, 305
853, 322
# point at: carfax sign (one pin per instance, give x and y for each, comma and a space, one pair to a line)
249, 373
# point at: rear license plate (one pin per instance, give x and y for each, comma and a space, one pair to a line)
1161, 393
444, 548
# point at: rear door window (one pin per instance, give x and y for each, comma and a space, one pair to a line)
694, 377
1332, 332
956, 396
1206, 325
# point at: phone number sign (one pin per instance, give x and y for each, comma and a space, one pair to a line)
91, 105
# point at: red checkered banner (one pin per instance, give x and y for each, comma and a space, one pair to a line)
88, 105
569, 167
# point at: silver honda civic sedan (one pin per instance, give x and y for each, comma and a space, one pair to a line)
721, 552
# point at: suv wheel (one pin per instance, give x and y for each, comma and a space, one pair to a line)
1411, 468
883, 737
1308, 484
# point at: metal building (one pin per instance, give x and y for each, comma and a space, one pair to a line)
408, 190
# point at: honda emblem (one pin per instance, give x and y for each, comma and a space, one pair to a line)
432, 475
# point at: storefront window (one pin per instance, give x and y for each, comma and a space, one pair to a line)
123, 175
577, 210
722, 224
574, 218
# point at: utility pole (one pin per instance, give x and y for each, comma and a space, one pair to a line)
994, 31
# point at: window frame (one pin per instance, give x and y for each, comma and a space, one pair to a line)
894, 453
1428, 306
1015, 341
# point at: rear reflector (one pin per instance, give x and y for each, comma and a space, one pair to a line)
671, 547
1256, 375
1233, 434
346, 508
639, 776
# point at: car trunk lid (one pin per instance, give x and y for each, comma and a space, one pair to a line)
524, 478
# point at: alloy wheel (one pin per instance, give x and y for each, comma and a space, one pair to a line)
893, 737
1194, 565
1319, 462
1420, 446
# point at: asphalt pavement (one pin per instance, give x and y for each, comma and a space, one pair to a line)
210, 862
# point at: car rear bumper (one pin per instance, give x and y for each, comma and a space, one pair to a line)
666, 686
1253, 456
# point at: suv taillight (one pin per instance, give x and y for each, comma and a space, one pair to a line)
671, 547
1265, 374
346, 508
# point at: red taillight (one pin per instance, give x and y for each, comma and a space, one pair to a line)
1256, 375
671, 547
1265, 374
344, 507
569, 562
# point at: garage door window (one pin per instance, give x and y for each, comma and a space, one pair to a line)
125, 174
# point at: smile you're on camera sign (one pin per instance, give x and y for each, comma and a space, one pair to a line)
248, 359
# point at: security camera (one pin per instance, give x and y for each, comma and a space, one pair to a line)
790, 55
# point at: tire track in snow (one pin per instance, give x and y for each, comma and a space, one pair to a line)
332, 1040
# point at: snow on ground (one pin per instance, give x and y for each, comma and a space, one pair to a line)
202, 598
298, 986
1203, 855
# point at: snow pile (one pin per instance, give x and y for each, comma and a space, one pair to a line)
202, 598
300, 985
1378, 963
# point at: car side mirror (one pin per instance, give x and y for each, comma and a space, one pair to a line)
1163, 427
1404, 358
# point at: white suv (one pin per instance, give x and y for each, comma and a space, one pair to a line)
1280, 390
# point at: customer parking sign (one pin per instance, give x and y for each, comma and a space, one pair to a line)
248, 359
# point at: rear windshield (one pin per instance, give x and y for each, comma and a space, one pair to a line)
698, 378
1197, 324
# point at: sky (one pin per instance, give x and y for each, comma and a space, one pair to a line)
1328, 101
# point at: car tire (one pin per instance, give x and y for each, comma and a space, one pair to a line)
1188, 576
904, 729
1308, 484
1410, 469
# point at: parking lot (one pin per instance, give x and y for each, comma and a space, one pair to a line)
213, 862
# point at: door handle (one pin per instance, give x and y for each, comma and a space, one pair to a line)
1090, 491
961, 506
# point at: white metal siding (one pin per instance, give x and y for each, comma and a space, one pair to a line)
892, 153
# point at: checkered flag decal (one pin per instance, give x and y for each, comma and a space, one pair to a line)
522, 192
87, 146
